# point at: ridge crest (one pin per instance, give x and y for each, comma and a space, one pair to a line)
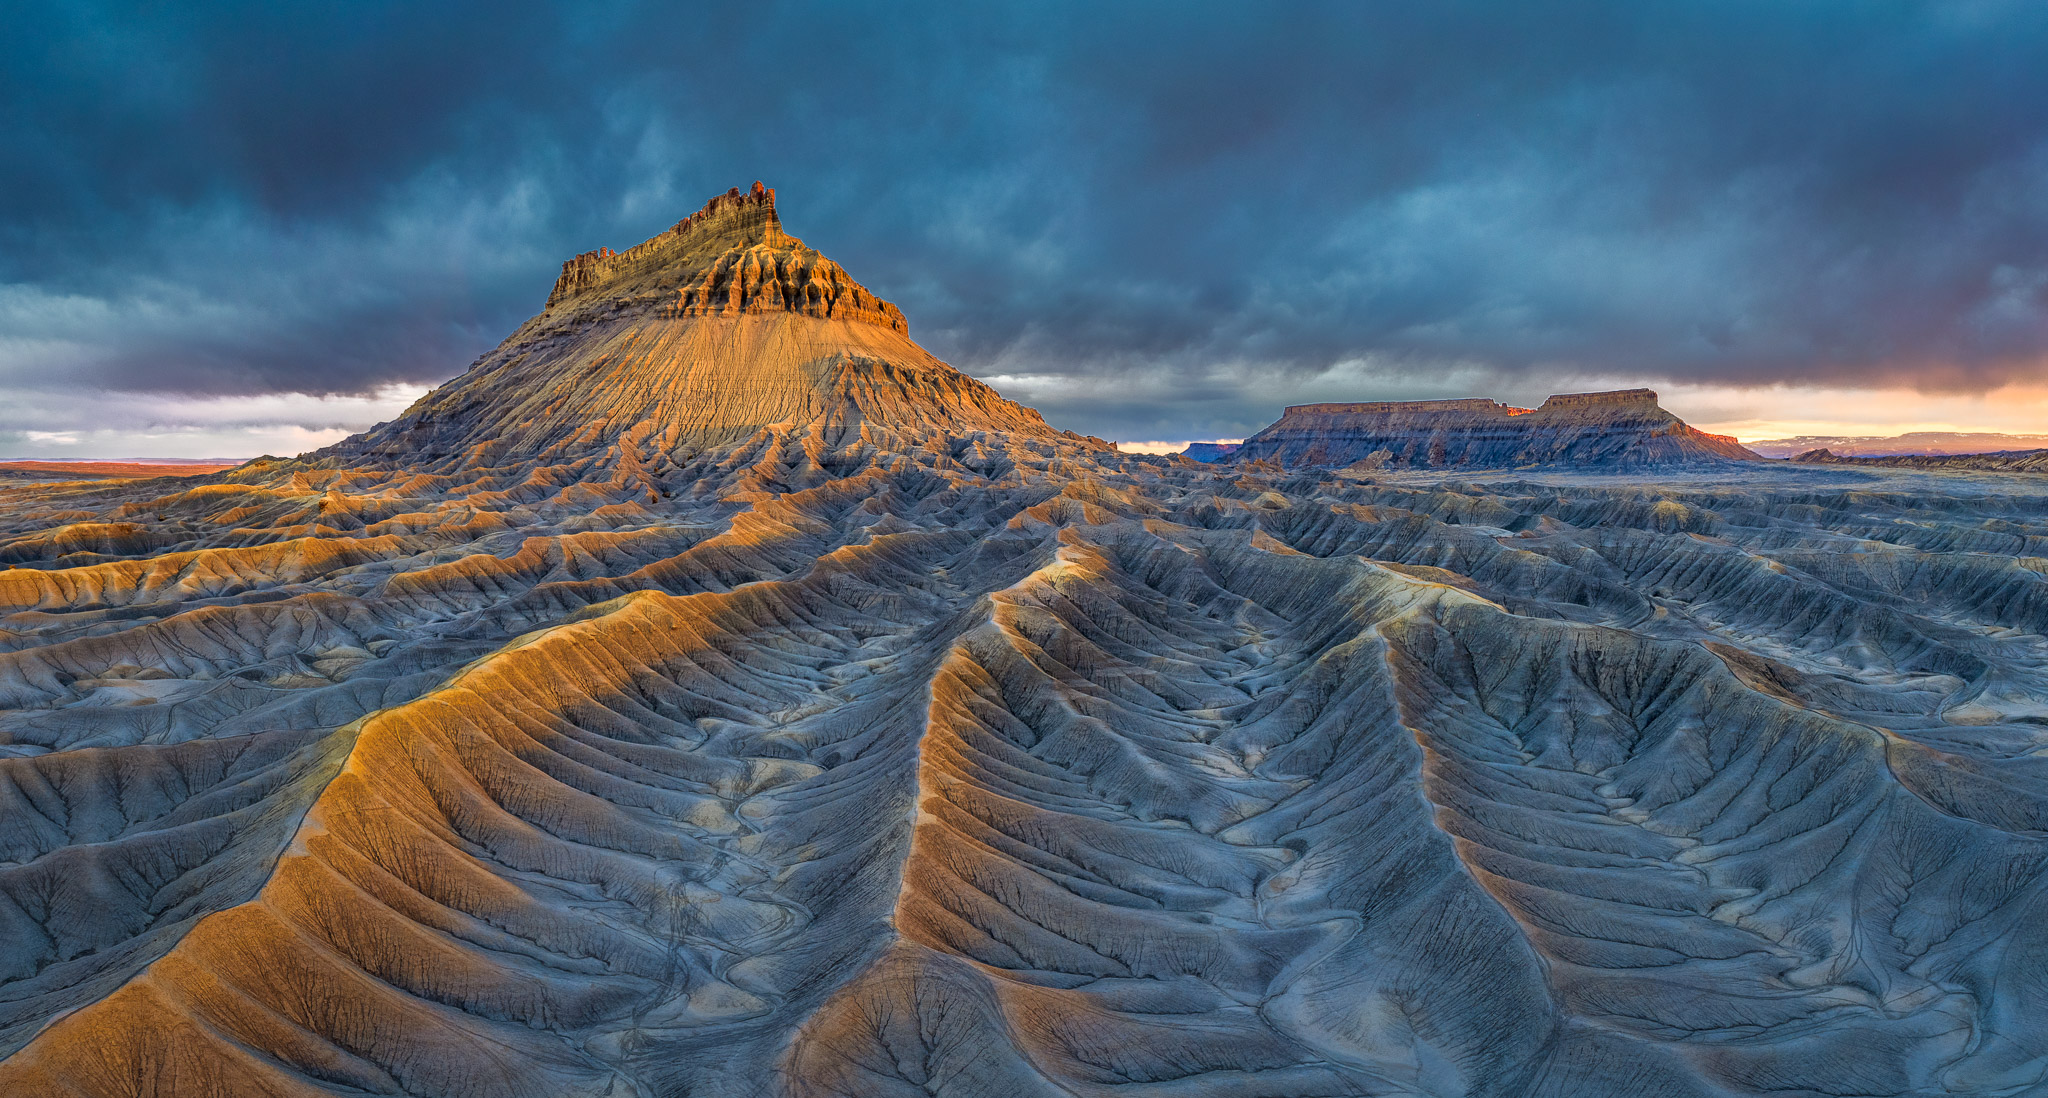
735, 213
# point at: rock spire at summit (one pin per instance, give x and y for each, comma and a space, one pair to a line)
754, 267
733, 214
718, 328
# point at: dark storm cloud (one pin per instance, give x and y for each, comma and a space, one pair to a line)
1159, 220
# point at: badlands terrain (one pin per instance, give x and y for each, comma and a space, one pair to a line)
711, 693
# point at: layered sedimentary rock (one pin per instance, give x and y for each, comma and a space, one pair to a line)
2008, 461
702, 336
1621, 430
1206, 452
929, 751
104, 470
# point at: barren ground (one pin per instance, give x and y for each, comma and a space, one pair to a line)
1003, 766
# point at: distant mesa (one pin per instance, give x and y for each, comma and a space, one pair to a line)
1208, 452
2004, 461
1621, 429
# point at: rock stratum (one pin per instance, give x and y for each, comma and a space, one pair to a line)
106, 470
2010, 461
1616, 430
836, 728
704, 336
1208, 452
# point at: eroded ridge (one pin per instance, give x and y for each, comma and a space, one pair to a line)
751, 705
1002, 768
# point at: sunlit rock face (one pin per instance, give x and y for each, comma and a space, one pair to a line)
641, 733
705, 336
1618, 430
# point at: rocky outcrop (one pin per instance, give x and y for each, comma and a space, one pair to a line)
716, 329
1207, 452
1623, 429
763, 279
727, 217
761, 269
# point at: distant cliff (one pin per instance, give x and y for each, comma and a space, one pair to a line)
1209, 451
1620, 429
2008, 461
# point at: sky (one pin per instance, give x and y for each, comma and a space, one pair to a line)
229, 229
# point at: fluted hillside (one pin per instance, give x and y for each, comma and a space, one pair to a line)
718, 328
901, 746
1624, 429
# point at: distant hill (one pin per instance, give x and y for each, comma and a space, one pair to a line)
1621, 429
2007, 461
1915, 442
1209, 451
107, 470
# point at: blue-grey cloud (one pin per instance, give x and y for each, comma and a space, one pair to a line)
1177, 215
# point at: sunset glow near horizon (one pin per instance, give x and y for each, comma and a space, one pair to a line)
234, 428
1781, 412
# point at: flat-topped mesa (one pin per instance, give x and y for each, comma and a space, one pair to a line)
1209, 452
1643, 400
1611, 430
1381, 407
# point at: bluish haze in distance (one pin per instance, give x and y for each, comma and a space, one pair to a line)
230, 228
